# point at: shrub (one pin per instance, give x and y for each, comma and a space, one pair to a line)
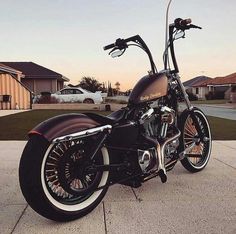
46, 99
192, 97
209, 96
233, 89
116, 101
215, 95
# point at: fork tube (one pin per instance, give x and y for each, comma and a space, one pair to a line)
190, 107
187, 102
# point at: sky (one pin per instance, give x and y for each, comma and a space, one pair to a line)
68, 36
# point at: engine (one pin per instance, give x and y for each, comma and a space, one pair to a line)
159, 128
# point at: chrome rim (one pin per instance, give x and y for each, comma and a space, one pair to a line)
200, 152
79, 195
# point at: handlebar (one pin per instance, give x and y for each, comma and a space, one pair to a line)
179, 24
108, 47
184, 24
121, 43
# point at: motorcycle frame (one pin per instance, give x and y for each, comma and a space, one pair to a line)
107, 129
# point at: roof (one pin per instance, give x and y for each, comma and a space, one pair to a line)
224, 80
11, 70
196, 80
230, 79
13, 74
33, 70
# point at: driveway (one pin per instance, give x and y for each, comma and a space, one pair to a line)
204, 202
218, 111
10, 112
215, 110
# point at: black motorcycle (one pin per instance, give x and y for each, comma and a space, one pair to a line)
71, 160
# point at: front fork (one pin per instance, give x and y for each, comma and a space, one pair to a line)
190, 108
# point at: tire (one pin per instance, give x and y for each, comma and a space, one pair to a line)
88, 101
52, 200
202, 149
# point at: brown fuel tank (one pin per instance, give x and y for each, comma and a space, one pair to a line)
149, 88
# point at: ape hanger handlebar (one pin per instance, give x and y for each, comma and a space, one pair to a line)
179, 25
123, 44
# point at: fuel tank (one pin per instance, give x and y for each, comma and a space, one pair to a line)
149, 88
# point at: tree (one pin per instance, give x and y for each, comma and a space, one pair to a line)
117, 84
91, 84
109, 90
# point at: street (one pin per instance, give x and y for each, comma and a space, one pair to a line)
214, 110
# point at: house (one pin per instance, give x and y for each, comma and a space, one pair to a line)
217, 85
38, 78
194, 86
222, 84
13, 93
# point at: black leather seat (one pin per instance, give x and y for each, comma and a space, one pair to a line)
113, 118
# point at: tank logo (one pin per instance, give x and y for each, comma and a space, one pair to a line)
150, 96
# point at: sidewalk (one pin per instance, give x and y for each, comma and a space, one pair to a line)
10, 112
203, 202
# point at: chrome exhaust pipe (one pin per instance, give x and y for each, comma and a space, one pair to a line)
161, 156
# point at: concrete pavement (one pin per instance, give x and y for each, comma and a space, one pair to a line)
10, 112
204, 202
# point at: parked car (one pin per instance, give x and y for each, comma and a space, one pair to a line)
77, 95
68, 95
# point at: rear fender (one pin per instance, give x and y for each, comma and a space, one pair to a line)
62, 125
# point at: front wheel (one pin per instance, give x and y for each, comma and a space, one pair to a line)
197, 149
54, 180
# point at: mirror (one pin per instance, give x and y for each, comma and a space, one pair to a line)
116, 53
179, 35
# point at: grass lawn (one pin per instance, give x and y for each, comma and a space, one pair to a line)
15, 127
222, 129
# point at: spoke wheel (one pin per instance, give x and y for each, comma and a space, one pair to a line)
54, 181
64, 173
197, 150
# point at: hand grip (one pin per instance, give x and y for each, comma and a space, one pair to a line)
107, 47
185, 22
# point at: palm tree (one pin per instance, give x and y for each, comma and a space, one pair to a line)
117, 84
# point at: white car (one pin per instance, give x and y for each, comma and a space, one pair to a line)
77, 95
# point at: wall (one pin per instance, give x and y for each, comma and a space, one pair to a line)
60, 85
202, 91
40, 85
20, 96
76, 106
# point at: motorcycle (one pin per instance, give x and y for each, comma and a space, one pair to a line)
71, 160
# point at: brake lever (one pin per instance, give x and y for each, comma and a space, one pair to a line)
115, 48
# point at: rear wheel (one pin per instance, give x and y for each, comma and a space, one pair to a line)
54, 180
197, 150
88, 101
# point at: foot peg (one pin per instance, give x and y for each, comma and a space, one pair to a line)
162, 175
